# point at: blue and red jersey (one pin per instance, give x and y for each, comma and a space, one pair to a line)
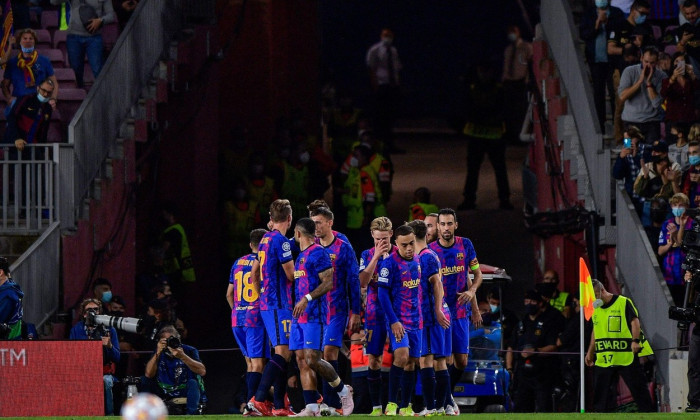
310, 262
246, 300
275, 288
373, 310
456, 261
402, 278
345, 295
673, 273
429, 266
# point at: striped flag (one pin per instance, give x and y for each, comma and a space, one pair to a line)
586, 289
7, 29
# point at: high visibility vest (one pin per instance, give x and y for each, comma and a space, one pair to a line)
613, 338
418, 211
560, 302
239, 223
352, 199
359, 360
184, 262
295, 187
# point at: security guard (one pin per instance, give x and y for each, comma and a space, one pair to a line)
534, 337
560, 300
617, 342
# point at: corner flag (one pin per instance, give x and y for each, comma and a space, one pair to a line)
586, 289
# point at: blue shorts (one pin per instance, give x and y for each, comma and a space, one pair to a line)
252, 341
376, 338
334, 331
306, 336
411, 339
277, 324
434, 341
460, 336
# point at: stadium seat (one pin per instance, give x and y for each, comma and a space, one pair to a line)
670, 49
656, 30
56, 132
65, 77
44, 39
69, 101
110, 34
59, 43
49, 21
56, 57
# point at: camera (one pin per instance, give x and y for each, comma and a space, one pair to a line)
132, 325
684, 314
174, 342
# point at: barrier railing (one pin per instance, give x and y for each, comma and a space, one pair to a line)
29, 185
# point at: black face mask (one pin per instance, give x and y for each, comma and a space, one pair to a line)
532, 308
656, 158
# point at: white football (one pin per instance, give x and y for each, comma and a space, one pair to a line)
144, 406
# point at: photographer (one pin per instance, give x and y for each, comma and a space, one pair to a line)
693, 357
85, 330
175, 371
10, 304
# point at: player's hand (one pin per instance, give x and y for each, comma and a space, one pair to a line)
380, 249
177, 353
355, 322
465, 296
442, 319
398, 331
476, 318
300, 307
636, 347
590, 359
19, 144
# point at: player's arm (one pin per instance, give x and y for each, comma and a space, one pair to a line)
229, 294
326, 277
385, 300
289, 270
634, 325
353, 285
439, 292
590, 354
469, 295
254, 278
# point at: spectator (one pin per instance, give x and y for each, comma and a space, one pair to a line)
506, 317
86, 330
484, 131
656, 179
639, 90
20, 13
343, 128
680, 90
630, 31
178, 257
516, 67
29, 118
559, 300
670, 241
659, 150
629, 162
241, 215
678, 151
84, 36
102, 291
596, 28
421, 206
175, 371
658, 213
485, 339
293, 178
124, 9
664, 64
157, 317
690, 181
688, 34
260, 187
694, 133
359, 196
28, 70
10, 304
384, 66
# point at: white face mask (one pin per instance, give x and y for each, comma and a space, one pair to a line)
512, 37
304, 157
42, 98
598, 303
354, 162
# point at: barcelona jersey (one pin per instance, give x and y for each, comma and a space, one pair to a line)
246, 302
373, 310
345, 295
275, 289
456, 261
429, 266
312, 261
402, 278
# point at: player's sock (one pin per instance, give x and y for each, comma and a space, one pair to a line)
339, 387
442, 387
253, 381
408, 383
374, 382
330, 396
275, 368
311, 399
427, 376
455, 375
395, 375
280, 390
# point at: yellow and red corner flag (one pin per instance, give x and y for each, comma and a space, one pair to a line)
586, 289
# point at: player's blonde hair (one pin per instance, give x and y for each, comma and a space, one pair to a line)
382, 224
280, 210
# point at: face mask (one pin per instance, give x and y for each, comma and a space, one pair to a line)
532, 308
678, 211
387, 40
640, 19
304, 157
494, 308
27, 50
694, 160
354, 162
42, 98
512, 37
107, 296
601, 4
598, 303
239, 194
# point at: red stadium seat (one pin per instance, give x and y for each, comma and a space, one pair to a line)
65, 77
56, 56
110, 33
59, 42
44, 38
69, 101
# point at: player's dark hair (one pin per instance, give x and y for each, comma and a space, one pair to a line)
321, 211
651, 50
280, 210
448, 211
689, 3
101, 281
306, 226
256, 236
419, 228
403, 230
316, 204
644, 4
5, 266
